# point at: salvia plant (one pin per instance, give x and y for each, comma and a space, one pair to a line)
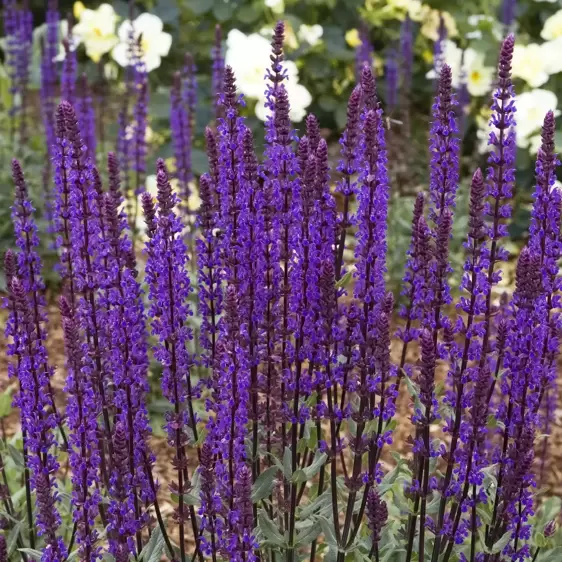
282, 364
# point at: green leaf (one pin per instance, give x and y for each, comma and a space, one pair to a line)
287, 463
31, 552
328, 530
299, 476
554, 555
13, 537
152, 552
344, 281
500, 544
16, 455
309, 534
318, 462
6, 402
263, 486
540, 540
223, 11
269, 530
247, 14
199, 7
325, 499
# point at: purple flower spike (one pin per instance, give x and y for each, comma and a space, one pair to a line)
377, 515
391, 73
364, 53
82, 411
218, 70
181, 140
169, 288
69, 71
407, 54
86, 117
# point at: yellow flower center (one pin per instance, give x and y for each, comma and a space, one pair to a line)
97, 32
475, 76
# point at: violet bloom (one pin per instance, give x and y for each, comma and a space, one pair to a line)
169, 288
348, 167
69, 70
140, 120
241, 543
37, 417
439, 47
11, 32
228, 428
377, 515
86, 116
209, 271
181, 140
217, 71
364, 53
189, 91
416, 277
29, 268
230, 132
391, 74
444, 150
61, 210
371, 218
85, 455
508, 10
127, 358
23, 62
18, 29
211, 503
545, 240
501, 173
121, 512
406, 54
49, 74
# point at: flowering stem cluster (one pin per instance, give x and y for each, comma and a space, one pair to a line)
277, 361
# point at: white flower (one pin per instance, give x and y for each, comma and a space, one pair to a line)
551, 55
452, 55
310, 33
155, 43
96, 29
530, 65
552, 26
531, 109
299, 100
277, 6
534, 144
479, 78
248, 55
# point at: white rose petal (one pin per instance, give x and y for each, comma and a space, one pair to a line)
529, 64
